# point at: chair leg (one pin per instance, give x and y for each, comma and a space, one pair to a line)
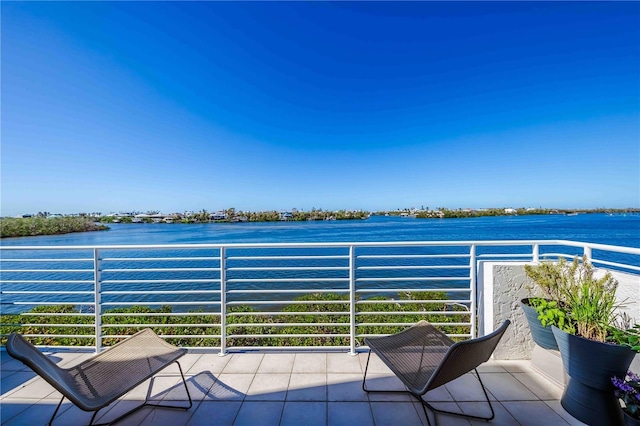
436, 410
425, 404
179, 407
364, 388
364, 379
56, 411
147, 404
58, 407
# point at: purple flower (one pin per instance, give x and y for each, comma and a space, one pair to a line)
622, 385
628, 391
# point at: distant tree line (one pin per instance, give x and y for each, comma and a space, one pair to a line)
444, 213
232, 215
42, 225
45, 223
461, 213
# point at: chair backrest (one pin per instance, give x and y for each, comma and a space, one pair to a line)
464, 356
22, 350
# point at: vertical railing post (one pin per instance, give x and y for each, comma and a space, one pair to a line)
97, 299
587, 253
536, 252
223, 302
473, 283
352, 299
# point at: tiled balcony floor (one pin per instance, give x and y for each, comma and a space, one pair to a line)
308, 388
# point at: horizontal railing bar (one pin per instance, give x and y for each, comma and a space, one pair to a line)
86, 349
64, 314
414, 313
400, 324
5, 259
615, 264
44, 292
162, 292
51, 304
291, 268
408, 324
47, 282
411, 256
595, 246
505, 255
201, 302
285, 280
390, 267
306, 290
160, 269
159, 325
47, 270
413, 290
198, 280
167, 336
40, 285
413, 279
270, 313
268, 336
292, 324
557, 255
497, 243
91, 325
290, 302
75, 336
155, 259
160, 314
287, 257
404, 302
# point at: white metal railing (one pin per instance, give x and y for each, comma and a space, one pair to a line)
231, 294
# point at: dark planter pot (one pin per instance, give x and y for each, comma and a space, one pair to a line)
630, 421
543, 336
590, 365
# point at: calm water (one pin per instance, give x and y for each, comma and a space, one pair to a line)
593, 228
243, 277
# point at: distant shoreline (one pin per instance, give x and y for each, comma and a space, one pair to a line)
35, 226
233, 216
58, 225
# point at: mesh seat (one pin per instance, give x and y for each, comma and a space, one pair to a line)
424, 358
97, 382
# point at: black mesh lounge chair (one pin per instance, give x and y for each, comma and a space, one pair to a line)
424, 358
97, 382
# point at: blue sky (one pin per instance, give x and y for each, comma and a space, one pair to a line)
119, 106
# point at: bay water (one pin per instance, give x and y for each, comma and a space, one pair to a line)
617, 229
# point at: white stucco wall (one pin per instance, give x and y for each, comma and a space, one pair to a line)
501, 286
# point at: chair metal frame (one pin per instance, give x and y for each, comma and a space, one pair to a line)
147, 353
450, 356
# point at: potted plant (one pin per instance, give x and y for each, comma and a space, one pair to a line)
552, 280
592, 352
627, 390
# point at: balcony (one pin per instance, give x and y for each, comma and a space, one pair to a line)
288, 388
249, 373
